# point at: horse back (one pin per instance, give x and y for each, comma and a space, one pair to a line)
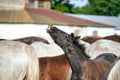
54, 68
94, 70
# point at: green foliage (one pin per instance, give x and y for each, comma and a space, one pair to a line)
95, 7
101, 7
105, 7
61, 5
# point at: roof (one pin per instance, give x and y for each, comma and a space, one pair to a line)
110, 20
15, 16
44, 16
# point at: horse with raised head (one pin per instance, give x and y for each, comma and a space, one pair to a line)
81, 65
18, 61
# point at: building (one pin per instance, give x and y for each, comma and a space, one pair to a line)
35, 17
38, 4
111, 20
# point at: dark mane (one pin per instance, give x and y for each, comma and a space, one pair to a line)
81, 46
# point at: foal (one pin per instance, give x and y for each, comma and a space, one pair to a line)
83, 68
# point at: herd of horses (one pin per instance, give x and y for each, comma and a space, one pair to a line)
72, 58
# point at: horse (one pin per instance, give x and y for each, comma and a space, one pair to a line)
58, 63
82, 66
54, 68
114, 37
31, 39
103, 46
52, 62
47, 50
91, 39
18, 61
113, 71
2, 39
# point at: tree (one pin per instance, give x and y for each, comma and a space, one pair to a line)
95, 7
101, 7
61, 5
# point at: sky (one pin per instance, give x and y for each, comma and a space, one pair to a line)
79, 3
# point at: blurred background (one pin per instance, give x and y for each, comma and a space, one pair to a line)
23, 18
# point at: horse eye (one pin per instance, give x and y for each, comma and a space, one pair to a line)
67, 37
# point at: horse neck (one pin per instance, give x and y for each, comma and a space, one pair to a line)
75, 57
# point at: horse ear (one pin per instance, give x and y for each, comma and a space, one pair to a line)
75, 37
72, 35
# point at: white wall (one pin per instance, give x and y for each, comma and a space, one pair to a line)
101, 31
12, 31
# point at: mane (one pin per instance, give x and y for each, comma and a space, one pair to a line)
82, 47
75, 40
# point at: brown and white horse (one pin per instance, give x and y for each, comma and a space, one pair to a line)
52, 61
18, 60
83, 68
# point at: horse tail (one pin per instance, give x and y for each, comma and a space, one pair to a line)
33, 64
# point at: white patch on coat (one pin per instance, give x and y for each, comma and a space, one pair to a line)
47, 50
103, 46
17, 60
115, 72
